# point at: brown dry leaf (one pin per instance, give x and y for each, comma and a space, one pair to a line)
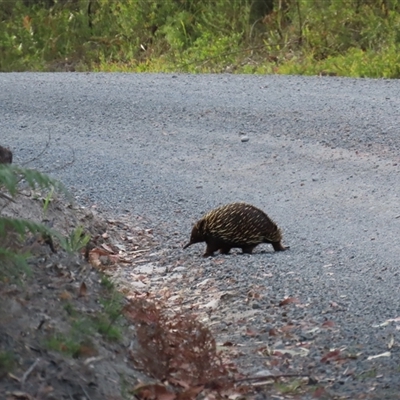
94, 257
178, 382
273, 332
99, 252
65, 295
190, 394
333, 355
87, 351
319, 392
288, 300
251, 332
153, 392
108, 248
82, 290
328, 324
288, 328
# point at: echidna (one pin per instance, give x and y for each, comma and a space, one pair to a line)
235, 225
5, 156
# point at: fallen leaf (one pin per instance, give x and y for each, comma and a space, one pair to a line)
288, 300
386, 354
251, 332
328, 324
190, 393
153, 392
287, 328
212, 304
331, 356
82, 290
21, 395
387, 322
298, 351
391, 342
108, 248
319, 392
65, 295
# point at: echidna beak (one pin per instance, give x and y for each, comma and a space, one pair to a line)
187, 245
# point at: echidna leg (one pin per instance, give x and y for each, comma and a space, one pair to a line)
211, 247
248, 249
225, 249
278, 246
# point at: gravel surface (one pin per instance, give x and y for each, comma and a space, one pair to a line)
322, 159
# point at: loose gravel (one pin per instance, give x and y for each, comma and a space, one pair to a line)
321, 157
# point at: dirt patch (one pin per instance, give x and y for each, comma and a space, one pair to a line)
58, 339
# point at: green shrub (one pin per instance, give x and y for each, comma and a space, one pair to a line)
251, 36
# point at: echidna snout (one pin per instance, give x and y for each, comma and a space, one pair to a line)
235, 225
196, 235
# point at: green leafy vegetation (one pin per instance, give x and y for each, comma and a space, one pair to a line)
7, 362
76, 240
83, 327
328, 37
13, 231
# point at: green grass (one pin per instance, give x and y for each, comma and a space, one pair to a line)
106, 322
341, 37
7, 362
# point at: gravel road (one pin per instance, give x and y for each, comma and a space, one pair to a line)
322, 160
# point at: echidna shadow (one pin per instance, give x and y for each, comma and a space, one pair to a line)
236, 225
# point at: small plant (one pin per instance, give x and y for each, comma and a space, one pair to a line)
70, 345
106, 283
367, 374
76, 241
7, 362
13, 230
105, 327
291, 387
47, 201
105, 322
70, 309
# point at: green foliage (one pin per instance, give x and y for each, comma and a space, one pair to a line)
106, 283
345, 37
11, 175
13, 231
84, 327
63, 344
47, 200
75, 242
7, 362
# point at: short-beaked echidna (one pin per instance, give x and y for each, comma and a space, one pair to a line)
5, 156
235, 225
